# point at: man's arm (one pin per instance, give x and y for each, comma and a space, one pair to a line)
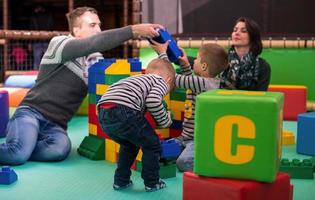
103, 41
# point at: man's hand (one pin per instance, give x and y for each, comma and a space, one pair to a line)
146, 30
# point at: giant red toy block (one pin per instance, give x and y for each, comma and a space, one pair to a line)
295, 97
204, 188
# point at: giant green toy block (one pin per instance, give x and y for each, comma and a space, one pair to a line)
238, 134
92, 147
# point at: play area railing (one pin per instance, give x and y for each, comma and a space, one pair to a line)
267, 43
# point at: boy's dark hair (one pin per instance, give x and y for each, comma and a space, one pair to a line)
254, 34
74, 15
215, 57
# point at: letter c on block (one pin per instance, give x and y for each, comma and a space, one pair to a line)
223, 139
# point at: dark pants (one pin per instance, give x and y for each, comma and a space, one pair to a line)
131, 130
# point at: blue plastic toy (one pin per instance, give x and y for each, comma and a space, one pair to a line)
7, 175
170, 149
173, 52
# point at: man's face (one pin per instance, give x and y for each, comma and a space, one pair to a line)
89, 24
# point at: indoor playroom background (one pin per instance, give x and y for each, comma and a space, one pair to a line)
289, 47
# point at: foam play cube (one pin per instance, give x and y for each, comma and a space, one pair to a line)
173, 52
4, 112
204, 188
16, 95
238, 134
305, 143
295, 97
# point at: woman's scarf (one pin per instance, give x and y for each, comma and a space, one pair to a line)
242, 73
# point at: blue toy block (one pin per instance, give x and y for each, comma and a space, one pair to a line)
173, 52
177, 124
305, 134
7, 175
135, 66
170, 149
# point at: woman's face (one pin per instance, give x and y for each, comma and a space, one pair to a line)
240, 36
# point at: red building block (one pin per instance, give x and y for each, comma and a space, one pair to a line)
204, 188
295, 97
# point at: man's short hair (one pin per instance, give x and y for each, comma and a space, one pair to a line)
215, 56
75, 14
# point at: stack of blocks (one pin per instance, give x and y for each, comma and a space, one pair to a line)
98, 146
295, 97
237, 136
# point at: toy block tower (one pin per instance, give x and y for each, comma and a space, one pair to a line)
97, 145
238, 134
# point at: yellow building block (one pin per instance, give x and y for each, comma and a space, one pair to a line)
111, 156
164, 132
177, 115
167, 100
135, 73
110, 145
139, 156
101, 89
92, 129
121, 66
288, 138
177, 105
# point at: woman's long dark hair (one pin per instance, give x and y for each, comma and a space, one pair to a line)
254, 34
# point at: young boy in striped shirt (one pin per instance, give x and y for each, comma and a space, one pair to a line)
210, 62
121, 114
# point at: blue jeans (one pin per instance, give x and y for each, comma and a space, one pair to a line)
130, 129
185, 161
30, 136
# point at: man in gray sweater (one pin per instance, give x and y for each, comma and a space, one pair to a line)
37, 130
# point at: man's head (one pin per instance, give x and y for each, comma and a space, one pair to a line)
164, 69
83, 22
211, 60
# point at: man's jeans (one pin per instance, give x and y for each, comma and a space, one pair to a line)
30, 136
185, 161
130, 129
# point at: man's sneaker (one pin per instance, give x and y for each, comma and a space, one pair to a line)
161, 184
118, 187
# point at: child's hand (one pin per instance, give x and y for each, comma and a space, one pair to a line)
159, 48
183, 60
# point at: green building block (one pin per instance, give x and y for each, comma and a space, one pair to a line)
178, 94
92, 147
238, 134
92, 98
298, 169
113, 78
167, 169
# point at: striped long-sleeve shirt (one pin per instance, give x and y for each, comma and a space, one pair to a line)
194, 85
143, 93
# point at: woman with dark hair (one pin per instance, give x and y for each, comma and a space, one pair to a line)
247, 71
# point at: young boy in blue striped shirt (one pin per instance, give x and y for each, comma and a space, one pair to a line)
121, 115
210, 62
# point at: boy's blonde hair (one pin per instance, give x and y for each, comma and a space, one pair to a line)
215, 57
74, 15
161, 67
